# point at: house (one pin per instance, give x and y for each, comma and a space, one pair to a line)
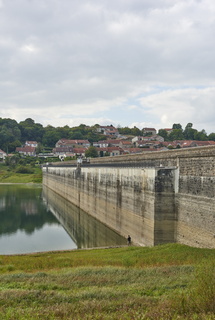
125, 144
187, 143
72, 143
154, 137
111, 151
132, 150
149, 131
107, 143
3, 154
168, 130
62, 150
79, 152
137, 138
101, 144
204, 143
26, 151
171, 144
148, 144
108, 130
31, 144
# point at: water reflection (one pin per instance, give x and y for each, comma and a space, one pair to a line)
33, 220
21, 208
86, 231
25, 223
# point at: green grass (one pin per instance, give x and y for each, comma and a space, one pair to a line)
164, 282
8, 175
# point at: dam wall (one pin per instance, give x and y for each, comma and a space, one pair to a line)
156, 197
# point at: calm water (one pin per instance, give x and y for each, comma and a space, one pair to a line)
33, 219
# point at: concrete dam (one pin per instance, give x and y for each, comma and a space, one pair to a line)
156, 197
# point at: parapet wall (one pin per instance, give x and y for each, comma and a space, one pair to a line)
169, 197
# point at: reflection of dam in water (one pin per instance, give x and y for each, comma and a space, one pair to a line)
85, 231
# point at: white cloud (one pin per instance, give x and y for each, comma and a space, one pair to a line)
183, 106
71, 59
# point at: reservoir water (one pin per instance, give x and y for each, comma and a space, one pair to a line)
35, 219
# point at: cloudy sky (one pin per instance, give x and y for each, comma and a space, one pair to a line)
144, 63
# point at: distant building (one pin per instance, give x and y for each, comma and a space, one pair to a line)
108, 130
149, 131
31, 144
3, 154
111, 151
168, 130
72, 143
26, 151
107, 143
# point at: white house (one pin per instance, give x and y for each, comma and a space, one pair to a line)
3, 154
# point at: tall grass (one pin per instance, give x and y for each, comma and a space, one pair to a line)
166, 282
201, 295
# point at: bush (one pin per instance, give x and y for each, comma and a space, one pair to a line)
24, 169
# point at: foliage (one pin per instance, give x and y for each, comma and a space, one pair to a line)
130, 131
24, 169
91, 152
31, 130
177, 126
118, 283
163, 133
176, 134
9, 133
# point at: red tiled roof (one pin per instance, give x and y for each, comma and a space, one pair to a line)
26, 149
68, 141
79, 150
149, 129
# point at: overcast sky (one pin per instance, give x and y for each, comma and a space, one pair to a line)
144, 63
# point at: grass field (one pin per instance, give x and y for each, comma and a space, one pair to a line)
8, 175
163, 282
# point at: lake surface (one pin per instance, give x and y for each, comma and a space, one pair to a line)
33, 219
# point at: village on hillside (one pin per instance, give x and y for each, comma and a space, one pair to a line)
114, 144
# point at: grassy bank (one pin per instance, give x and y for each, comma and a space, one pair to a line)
164, 282
10, 175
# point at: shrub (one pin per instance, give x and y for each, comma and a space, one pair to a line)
24, 169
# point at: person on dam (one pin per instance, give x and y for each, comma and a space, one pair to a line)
129, 240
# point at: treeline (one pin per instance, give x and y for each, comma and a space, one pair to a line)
188, 133
14, 134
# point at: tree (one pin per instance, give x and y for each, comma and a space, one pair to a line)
177, 126
31, 130
200, 135
211, 136
189, 125
136, 131
163, 133
91, 152
176, 134
189, 132
50, 137
9, 132
12, 146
